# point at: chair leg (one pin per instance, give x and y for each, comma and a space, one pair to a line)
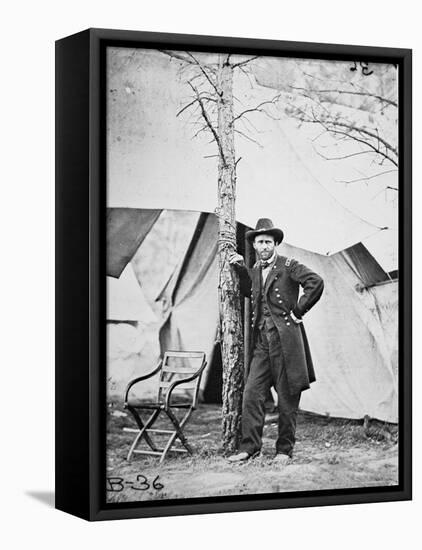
179, 433
142, 430
133, 446
168, 447
143, 427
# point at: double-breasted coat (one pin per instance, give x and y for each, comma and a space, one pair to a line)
282, 295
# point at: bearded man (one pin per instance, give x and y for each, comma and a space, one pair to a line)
280, 352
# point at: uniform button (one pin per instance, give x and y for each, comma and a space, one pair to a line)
288, 324
277, 289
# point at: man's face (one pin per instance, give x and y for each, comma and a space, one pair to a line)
264, 246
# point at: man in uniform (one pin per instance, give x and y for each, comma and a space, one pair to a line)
280, 350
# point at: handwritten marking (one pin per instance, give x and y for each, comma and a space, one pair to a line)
116, 484
364, 68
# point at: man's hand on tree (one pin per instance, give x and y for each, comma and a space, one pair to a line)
236, 259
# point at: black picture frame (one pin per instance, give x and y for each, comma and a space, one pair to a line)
80, 269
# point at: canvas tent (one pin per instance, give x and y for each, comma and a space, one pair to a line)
352, 331
126, 301
154, 164
128, 317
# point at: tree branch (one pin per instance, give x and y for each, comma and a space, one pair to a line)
335, 91
351, 136
258, 108
331, 126
249, 138
204, 72
242, 63
203, 129
246, 73
343, 156
365, 132
186, 107
368, 178
209, 123
177, 55
182, 57
254, 128
203, 97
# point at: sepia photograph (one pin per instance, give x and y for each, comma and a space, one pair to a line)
252, 309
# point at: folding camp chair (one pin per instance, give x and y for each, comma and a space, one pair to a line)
178, 385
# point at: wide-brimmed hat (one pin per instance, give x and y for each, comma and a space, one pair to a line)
265, 226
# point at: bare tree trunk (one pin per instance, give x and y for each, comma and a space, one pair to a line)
230, 307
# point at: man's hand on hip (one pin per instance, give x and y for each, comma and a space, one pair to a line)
295, 319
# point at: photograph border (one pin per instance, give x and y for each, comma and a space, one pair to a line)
81, 282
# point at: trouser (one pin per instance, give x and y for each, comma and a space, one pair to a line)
266, 370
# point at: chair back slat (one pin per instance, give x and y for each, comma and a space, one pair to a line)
188, 370
184, 386
176, 366
192, 354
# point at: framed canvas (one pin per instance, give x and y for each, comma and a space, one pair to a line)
233, 274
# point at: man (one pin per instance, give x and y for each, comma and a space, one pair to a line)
280, 350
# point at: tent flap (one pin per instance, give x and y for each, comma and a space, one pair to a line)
126, 229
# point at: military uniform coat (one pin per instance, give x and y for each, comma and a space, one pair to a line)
282, 294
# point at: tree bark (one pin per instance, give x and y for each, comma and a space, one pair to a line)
230, 302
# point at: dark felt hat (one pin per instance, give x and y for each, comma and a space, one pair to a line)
265, 226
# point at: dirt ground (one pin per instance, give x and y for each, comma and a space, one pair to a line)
329, 454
